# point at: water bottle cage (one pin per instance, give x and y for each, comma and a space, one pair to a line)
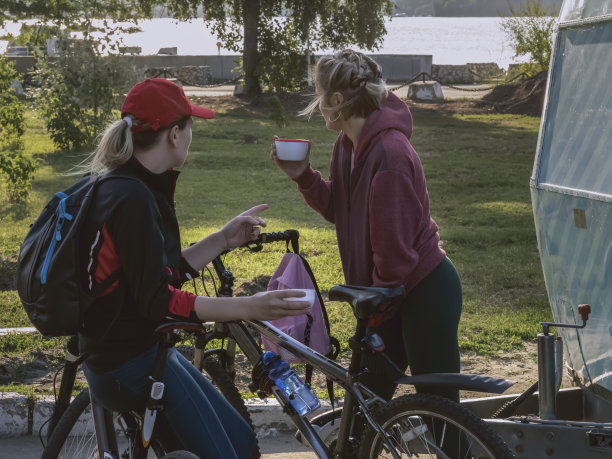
261, 384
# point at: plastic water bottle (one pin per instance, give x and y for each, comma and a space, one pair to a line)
301, 397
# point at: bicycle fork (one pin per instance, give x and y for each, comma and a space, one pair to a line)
105, 430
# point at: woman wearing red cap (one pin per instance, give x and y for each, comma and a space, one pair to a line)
132, 230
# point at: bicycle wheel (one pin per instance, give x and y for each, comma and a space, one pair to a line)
429, 426
72, 437
181, 454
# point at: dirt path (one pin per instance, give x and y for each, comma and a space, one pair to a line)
38, 370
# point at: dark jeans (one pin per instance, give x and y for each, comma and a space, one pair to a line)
204, 422
423, 334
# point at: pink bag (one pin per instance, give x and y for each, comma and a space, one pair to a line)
312, 328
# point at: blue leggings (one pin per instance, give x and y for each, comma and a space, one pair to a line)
204, 422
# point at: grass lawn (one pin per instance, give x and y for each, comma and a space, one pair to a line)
477, 167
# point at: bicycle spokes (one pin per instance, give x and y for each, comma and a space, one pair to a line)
424, 437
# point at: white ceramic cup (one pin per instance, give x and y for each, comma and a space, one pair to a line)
310, 295
291, 149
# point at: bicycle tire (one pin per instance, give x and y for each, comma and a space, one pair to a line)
63, 398
424, 425
224, 383
59, 444
71, 441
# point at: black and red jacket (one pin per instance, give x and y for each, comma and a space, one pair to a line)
132, 226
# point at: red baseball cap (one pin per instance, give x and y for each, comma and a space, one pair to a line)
157, 103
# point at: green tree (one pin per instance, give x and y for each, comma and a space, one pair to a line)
83, 85
16, 169
530, 31
80, 90
275, 36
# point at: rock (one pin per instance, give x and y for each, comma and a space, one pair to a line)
160, 72
130, 50
171, 51
250, 138
18, 88
239, 89
465, 74
17, 51
425, 90
198, 75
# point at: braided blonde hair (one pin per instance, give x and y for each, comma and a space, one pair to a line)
356, 76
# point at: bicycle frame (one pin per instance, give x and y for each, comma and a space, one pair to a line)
356, 393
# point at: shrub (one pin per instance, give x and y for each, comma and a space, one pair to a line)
277, 112
17, 170
80, 90
530, 30
11, 108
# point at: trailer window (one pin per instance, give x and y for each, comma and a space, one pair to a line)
576, 145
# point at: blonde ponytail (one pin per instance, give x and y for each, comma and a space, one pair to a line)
115, 148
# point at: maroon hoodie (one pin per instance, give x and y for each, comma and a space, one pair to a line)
386, 236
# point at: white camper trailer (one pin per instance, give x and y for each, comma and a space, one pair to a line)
571, 190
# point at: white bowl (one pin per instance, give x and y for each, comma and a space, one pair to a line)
310, 295
291, 149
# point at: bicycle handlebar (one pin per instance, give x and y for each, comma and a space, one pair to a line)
288, 236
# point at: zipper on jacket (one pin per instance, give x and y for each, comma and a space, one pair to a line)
348, 194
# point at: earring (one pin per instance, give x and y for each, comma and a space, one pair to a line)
329, 120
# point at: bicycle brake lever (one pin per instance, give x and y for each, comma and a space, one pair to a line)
255, 247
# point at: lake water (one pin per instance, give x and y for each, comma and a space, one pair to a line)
448, 40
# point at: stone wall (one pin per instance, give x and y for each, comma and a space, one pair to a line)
196, 75
395, 67
465, 74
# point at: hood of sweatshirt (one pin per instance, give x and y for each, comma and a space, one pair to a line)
394, 114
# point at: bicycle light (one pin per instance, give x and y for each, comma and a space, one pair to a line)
157, 390
373, 343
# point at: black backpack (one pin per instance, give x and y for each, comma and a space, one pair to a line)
48, 268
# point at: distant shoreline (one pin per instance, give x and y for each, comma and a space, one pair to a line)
450, 41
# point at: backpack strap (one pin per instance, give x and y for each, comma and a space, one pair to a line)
334, 343
99, 289
314, 282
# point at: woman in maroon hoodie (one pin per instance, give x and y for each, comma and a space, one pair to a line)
377, 198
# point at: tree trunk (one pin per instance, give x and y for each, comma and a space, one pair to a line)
250, 54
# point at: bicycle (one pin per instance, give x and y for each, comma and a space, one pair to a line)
341, 442
142, 431
419, 425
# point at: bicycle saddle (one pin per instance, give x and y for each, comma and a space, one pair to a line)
366, 301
